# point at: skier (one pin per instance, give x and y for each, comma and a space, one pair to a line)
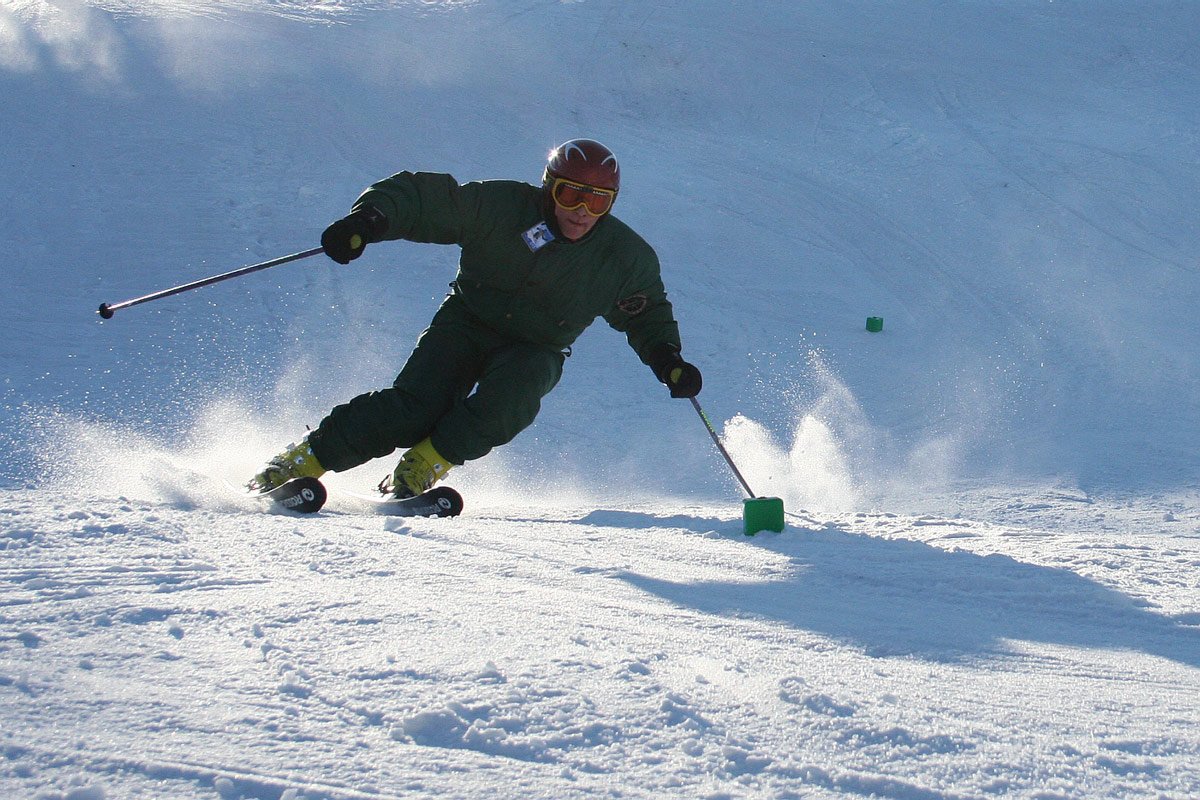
538, 265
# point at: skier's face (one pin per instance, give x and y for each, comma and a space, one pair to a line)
574, 224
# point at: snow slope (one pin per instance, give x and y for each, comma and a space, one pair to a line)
988, 584
191, 649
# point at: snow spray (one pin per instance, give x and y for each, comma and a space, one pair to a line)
758, 513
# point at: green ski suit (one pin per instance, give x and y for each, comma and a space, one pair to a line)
522, 295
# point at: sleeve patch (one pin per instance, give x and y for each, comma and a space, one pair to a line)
634, 304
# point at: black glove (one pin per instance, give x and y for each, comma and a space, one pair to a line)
346, 239
682, 378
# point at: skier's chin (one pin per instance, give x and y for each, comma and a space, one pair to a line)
575, 229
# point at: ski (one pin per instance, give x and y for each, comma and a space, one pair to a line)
305, 495
440, 501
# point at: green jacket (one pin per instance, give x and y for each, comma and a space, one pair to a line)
517, 283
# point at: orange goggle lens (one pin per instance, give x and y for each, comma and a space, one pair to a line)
569, 196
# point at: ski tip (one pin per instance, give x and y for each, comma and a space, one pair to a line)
306, 495
449, 501
441, 501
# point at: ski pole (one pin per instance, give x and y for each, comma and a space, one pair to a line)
106, 310
758, 513
713, 433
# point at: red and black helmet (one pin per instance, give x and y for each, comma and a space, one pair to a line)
585, 161
582, 172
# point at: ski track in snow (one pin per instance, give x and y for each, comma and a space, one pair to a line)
181, 649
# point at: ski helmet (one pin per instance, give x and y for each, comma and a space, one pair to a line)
585, 161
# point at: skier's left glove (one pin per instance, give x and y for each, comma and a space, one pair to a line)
346, 239
682, 378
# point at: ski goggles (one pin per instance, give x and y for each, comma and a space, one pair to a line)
570, 195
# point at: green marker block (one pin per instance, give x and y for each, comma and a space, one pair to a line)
874, 324
762, 514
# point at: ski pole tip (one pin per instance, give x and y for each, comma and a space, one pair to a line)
104, 311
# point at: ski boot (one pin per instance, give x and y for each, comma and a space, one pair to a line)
419, 469
297, 461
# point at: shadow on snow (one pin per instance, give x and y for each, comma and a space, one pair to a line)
902, 597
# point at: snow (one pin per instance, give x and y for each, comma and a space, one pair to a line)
989, 583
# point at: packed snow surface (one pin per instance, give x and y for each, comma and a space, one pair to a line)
989, 580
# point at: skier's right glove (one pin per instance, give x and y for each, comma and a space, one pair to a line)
682, 378
346, 239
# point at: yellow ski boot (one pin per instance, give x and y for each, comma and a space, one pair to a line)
419, 469
297, 461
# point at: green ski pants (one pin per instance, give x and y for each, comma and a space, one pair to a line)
433, 396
